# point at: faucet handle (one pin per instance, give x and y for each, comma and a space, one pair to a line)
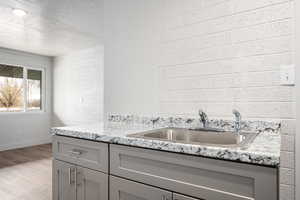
237, 114
154, 120
203, 117
238, 118
200, 111
202, 114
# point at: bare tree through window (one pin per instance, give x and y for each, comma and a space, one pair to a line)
20, 89
11, 94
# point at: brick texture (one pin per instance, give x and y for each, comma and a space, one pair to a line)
225, 54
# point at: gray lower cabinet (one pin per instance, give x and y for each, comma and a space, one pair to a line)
91, 185
87, 170
71, 182
89, 154
63, 181
122, 189
182, 197
199, 177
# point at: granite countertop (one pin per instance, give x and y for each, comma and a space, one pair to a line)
264, 150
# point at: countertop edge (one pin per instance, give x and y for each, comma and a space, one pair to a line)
222, 153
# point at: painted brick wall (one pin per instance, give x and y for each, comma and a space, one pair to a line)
172, 57
225, 54
78, 87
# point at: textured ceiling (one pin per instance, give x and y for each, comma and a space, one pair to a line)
52, 27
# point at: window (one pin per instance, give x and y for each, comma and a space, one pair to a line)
20, 89
34, 92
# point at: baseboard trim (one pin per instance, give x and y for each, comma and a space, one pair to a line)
27, 143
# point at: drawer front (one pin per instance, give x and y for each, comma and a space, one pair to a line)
121, 189
199, 177
93, 155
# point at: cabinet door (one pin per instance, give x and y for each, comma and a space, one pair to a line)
63, 181
182, 197
91, 185
121, 189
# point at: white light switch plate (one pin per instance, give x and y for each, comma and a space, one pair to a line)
287, 75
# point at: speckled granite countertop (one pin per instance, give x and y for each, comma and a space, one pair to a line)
264, 150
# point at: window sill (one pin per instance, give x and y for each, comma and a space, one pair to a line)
23, 113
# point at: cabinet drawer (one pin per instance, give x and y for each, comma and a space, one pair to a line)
121, 189
199, 177
93, 155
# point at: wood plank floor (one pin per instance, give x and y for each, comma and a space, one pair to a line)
25, 174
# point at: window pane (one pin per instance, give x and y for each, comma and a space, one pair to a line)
34, 89
11, 89
11, 71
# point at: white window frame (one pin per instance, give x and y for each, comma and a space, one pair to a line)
26, 110
43, 93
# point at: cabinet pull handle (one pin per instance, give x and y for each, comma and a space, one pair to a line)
76, 152
164, 197
76, 178
70, 175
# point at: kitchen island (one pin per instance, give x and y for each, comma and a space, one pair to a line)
137, 168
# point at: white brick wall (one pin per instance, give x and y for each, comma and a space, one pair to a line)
225, 54
172, 57
78, 87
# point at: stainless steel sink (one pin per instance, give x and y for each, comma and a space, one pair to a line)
212, 137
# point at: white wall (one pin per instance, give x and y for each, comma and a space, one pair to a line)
78, 87
131, 74
211, 54
173, 57
224, 54
297, 136
25, 129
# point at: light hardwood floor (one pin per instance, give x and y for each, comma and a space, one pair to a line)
25, 174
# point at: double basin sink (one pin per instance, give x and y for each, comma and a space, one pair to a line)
202, 136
